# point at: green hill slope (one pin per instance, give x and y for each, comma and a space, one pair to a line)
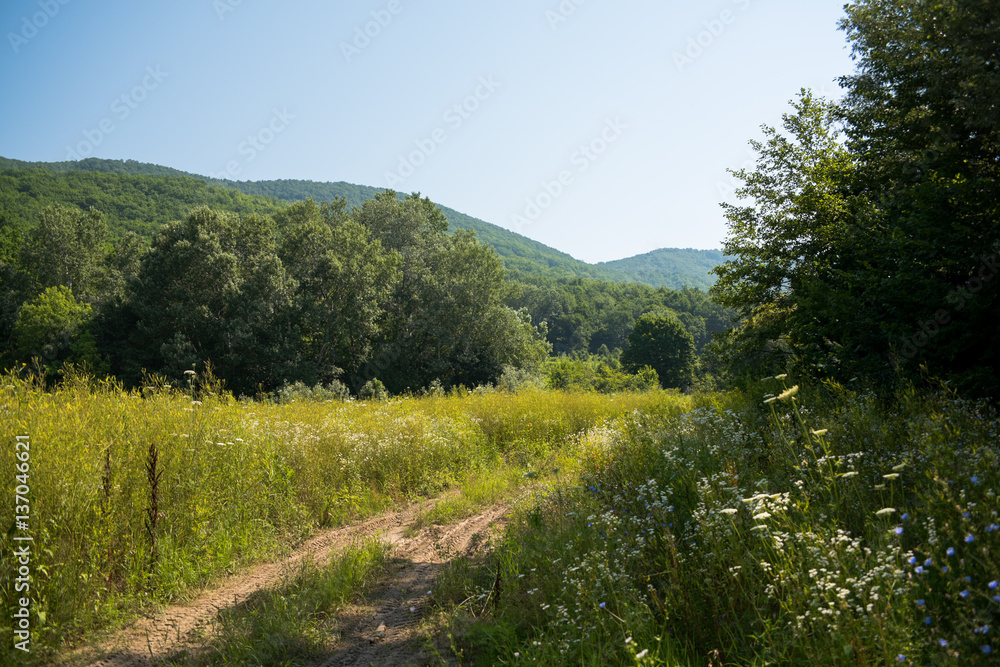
135, 202
671, 267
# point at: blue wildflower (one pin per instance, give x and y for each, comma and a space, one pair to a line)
927, 620
921, 603
919, 569
911, 560
969, 538
964, 594
985, 649
950, 551
992, 584
928, 562
943, 642
898, 530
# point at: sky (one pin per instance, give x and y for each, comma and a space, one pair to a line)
603, 129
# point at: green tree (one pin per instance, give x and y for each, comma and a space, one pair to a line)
54, 328
67, 248
661, 342
212, 288
869, 241
344, 281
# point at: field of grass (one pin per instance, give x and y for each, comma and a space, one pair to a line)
140, 498
822, 527
779, 527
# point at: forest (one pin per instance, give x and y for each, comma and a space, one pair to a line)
133, 274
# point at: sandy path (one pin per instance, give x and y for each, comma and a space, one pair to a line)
377, 631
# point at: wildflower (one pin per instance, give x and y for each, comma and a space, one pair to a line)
969, 538
911, 560
985, 649
975, 480
885, 511
906, 515
891, 476
900, 658
950, 551
921, 603
770, 400
781, 377
601, 605
848, 475
642, 654
898, 530
943, 642
880, 487
919, 569
728, 510
899, 468
964, 594
821, 432
628, 641
993, 584
189, 372
927, 620
762, 516
195, 402
788, 393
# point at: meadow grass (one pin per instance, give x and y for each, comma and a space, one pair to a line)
825, 527
140, 498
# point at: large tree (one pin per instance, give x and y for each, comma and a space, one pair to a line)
869, 240
212, 289
660, 341
344, 281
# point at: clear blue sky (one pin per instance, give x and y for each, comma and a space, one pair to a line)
617, 100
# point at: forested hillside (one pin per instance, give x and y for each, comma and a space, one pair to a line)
133, 273
671, 267
519, 254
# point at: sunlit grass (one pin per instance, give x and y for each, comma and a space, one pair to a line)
830, 530
238, 482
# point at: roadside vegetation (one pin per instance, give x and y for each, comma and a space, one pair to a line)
142, 497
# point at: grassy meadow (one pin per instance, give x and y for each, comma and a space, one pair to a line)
782, 528
140, 498
773, 527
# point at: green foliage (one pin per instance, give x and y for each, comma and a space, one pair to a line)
67, 248
53, 328
662, 343
597, 373
212, 289
373, 390
674, 268
869, 245
834, 529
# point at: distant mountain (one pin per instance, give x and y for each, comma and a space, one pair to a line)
671, 267
522, 256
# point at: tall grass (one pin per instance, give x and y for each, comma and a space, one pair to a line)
823, 527
141, 497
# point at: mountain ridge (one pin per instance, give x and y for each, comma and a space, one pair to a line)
523, 257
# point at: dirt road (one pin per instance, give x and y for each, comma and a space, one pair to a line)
379, 630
